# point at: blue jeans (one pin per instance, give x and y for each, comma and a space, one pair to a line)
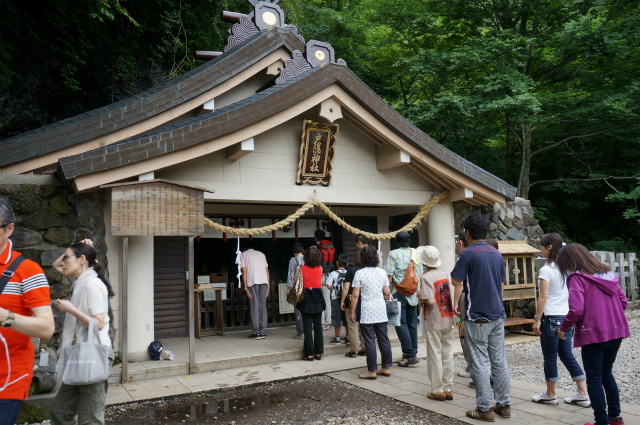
485, 345
408, 329
9, 410
554, 347
598, 362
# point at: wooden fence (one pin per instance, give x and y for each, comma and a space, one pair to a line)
625, 266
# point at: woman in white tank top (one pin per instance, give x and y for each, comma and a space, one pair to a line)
553, 305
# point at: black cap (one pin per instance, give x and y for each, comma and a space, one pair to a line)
403, 237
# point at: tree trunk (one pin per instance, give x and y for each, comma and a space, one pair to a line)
525, 166
510, 154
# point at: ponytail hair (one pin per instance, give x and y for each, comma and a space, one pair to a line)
556, 242
90, 254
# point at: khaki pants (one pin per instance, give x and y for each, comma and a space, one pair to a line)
440, 360
354, 332
86, 401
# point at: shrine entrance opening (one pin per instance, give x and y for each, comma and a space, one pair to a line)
215, 256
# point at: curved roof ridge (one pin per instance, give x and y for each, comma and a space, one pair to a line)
260, 106
148, 103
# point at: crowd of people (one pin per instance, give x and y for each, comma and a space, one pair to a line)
580, 299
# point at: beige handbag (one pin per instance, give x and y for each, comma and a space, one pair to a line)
295, 294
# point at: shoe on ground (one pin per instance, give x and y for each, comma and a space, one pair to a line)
362, 353
346, 339
479, 414
440, 397
543, 397
504, 411
299, 337
449, 395
326, 327
463, 373
408, 362
385, 371
335, 341
255, 336
368, 375
616, 421
579, 400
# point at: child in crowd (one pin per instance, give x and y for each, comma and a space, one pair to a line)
435, 294
335, 283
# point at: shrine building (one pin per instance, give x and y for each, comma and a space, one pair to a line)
246, 139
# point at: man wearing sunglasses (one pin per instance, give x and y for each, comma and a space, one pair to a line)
25, 312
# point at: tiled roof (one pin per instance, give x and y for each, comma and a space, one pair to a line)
101, 121
263, 105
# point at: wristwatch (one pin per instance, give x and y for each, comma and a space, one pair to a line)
536, 317
9, 321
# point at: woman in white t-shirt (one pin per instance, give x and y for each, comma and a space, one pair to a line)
372, 285
89, 299
553, 305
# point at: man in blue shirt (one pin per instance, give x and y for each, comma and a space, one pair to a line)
483, 268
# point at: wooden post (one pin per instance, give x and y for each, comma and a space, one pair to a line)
192, 341
633, 276
623, 273
124, 310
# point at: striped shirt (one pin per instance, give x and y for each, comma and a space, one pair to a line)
26, 289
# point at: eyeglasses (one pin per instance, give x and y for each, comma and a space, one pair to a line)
66, 257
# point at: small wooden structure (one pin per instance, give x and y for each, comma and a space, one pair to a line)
155, 207
205, 309
520, 276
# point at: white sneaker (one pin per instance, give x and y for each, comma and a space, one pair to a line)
464, 374
544, 398
580, 400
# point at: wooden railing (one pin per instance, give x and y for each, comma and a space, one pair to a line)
625, 266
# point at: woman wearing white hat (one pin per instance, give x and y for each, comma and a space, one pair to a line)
439, 320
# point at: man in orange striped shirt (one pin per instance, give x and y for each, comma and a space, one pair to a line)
25, 312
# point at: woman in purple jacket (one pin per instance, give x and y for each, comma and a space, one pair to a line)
596, 309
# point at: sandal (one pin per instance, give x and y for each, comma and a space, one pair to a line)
318, 356
351, 354
362, 353
309, 359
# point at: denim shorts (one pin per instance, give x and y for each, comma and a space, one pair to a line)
337, 315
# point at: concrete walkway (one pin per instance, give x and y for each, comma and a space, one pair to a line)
408, 385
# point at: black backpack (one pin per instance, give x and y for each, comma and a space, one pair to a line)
339, 284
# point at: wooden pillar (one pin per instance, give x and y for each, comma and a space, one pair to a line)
124, 310
192, 341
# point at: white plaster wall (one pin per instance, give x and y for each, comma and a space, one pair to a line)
268, 174
242, 91
140, 318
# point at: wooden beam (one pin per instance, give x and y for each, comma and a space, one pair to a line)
330, 110
124, 312
275, 68
237, 151
192, 341
434, 176
460, 194
388, 157
437, 184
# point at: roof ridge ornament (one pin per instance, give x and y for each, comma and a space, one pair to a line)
294, 66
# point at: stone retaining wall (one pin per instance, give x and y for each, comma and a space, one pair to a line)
511, 221
49, 217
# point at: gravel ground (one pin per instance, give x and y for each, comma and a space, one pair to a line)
525, 364
314, 401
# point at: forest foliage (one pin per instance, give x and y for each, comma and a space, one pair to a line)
542, 93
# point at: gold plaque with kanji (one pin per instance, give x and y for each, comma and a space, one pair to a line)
317, 151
